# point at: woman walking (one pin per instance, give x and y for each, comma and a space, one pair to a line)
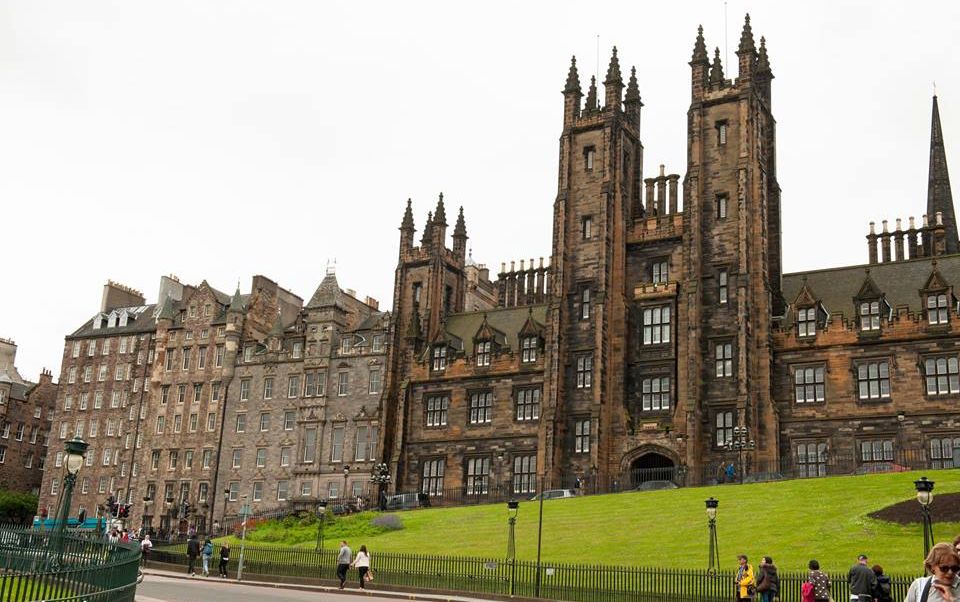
362, 564
206, 554
224, 559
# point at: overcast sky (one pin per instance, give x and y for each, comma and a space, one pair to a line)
221, 139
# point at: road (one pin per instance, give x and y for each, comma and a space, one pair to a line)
165, 589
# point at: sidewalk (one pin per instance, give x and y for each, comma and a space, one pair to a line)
435, 596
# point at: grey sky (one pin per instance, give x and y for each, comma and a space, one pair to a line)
220, 139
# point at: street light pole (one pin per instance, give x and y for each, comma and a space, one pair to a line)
76, 450
321, 518
223, 519
925, 497
513, 508
714, 553
346, 473
539, 541
381, 476
244, 513
739, 443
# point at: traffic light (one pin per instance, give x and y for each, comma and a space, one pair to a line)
124, 511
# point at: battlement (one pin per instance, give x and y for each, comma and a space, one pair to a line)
523, 286
926, 241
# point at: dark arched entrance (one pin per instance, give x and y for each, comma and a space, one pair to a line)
651, 467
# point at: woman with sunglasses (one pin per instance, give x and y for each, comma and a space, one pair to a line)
943, 564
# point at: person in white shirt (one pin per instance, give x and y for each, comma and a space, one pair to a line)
943, 563
362, 563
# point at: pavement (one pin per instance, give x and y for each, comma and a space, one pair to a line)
168, 586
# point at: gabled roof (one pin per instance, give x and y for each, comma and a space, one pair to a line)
327, 294
141, 321
869, 288
509, 321
935, 281
489, 333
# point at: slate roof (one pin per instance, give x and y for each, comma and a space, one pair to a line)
899, 281
144, 322
508, 321
371, 322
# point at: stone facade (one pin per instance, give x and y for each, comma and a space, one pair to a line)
25, 410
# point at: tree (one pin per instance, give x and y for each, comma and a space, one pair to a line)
17, 507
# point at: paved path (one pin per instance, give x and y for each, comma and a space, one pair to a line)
165, 586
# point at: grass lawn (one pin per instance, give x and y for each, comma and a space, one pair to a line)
17, 588
793, 521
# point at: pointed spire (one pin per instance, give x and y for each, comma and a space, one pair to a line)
746, 37
939, 196
236, 303
592, 95
613, 71
700, 50
407, 223
427, 230
461, 228
763, 63
573, 79
440, 216
633, 90
716, 71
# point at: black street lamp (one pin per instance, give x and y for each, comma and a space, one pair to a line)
76, 450
714, 554
321, 518
513, 508
536, 590
346, 474
925, 497
223, 519
740, 442
381, 476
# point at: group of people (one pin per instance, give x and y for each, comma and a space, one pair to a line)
205, 553
867, 583
361, 562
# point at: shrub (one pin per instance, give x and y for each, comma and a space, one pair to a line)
390, 522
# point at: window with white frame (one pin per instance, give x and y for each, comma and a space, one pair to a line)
257, 491
343, 383
439, 358
655, 393
241, 424
585, 371
336, 448
941, 451
478, 475
723, 357
873, 380
373, 386
309, 445
812, 459
293, 386
723, 288
723, 434
660, 271
285, 453
656, 325
877, 451
938, 309
261, 457
437, 406
807, 322
432, 482
528, 347
481, 407
244, 389
869, 315
808, 384
581, 436
528, 403
483, 353
525, 473
942, 375
585, 303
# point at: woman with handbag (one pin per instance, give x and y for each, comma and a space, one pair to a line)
362, 563
746, 584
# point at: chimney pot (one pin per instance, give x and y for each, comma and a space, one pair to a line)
872, 229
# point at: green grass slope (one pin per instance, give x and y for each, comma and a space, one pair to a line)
793, 521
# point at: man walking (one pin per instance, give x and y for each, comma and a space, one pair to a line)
862, 580
193, 550
343, 562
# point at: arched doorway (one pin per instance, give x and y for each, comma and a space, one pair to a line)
652, 466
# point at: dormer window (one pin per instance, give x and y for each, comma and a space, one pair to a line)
483, 353
869, 315
807, 322
439, 358
938, 309
528, 349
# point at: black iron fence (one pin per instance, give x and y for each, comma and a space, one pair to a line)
552, 581
62, 567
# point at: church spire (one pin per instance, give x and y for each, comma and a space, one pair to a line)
573, 78
700, 49
613, 84
591, 96
633, 90
939, 197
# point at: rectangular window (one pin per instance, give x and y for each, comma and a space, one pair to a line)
346, 345
234, 488
585, 371
241, 425
194, 421
589, 156
656, 325
118, 372
72, 375
264, 422
261, 457
870, 315
439, 358
938, 310
723, 294
161, 424
248, 353
525, 474
660, 272
309, 384
306, 488
336, 449
76, 349
102, 373
374, 382
244, 389
206, 459
214, 392
942, 376
297, 350
211, 421
528, 404
808, 384
586, 227
237, 458
722, 206
164, 394
172, 461
321, 384
478, 475
177, 424
656, 393
585, 304
377, 346
873, 380
293, 386
432, 483
721, 132
201, 358
197, 392
360, 451
481, 407
528, 346
437, 406
218, 358
289, 420
941, 451
581, 434
876, 452
724, 431
723, 356
170, 358
91, 348
807, 322
812, 460
106, 347
87, 373
343, 383
309, 445
188, 459
67, 401
483, 353
284, 456
185, 363
181, 393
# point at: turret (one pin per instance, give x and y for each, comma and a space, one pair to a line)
571, 95
747, 52
699, 65
460, 237
613, 84
407, 229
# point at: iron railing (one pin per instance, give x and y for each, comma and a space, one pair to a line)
496, 576
61, 567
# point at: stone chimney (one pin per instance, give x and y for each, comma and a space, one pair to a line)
8, 358
117, 295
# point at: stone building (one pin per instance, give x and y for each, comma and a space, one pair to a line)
25, 410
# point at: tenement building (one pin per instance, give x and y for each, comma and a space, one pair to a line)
25, 410
659, 339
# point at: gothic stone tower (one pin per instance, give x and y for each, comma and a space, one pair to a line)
732, 268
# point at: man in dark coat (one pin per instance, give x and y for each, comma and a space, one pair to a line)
193, 550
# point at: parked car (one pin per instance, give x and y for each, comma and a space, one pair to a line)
555, 494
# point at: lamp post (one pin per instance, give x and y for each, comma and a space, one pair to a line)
714, 554
513, 508
321, 518
740, 442
346, 474
539, 540
381, 476
925, 497
223, 519
147, 502
76, 450
244, 513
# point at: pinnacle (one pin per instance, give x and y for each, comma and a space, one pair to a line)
573, 78
613, 71
746, 37
700, 49
461, 228
633, 90
716, 72
763, 62
407, 223
592, 95
440, 216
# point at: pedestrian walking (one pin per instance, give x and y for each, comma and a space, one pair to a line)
883, 591
206, 554
943, 584
145, 546
224, 558
343, 562
768, 582
818, 582
193, 550
861, 580
746, 584
731, 473
362, 564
